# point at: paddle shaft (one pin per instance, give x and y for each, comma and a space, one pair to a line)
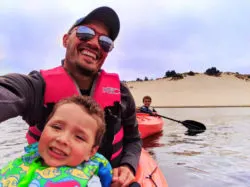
169, 118
190, 124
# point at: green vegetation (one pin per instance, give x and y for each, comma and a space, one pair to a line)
173, 75
190, 73
213, 71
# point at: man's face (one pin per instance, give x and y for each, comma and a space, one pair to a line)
85, 57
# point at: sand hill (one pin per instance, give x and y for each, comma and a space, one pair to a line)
200, 90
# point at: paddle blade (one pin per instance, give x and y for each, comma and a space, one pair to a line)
192, 133
194, 125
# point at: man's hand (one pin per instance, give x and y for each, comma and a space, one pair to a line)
122, 176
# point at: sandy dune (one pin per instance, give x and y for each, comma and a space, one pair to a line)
194, 91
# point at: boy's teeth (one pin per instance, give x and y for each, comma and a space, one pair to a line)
58, 151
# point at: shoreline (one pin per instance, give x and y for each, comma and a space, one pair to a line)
198, 91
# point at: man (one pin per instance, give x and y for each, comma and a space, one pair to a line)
87, 44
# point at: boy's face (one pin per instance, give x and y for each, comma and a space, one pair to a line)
147, 102
68, 137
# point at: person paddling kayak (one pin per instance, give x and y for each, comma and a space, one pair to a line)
146, 108
88, 42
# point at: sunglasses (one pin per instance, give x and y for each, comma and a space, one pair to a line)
85, 34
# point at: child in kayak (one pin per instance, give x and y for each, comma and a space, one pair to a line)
66, 154
146, 108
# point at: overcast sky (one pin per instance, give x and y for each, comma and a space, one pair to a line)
155, 36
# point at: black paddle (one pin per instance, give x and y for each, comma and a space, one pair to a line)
193, 126
190, 124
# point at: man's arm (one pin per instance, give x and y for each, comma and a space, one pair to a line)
132, 141
21, 95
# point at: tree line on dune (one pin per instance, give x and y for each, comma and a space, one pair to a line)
213, 71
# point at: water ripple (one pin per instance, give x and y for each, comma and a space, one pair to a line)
218, 157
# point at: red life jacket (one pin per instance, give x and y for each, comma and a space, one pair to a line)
105, 90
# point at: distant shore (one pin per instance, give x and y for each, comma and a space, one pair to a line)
200, 90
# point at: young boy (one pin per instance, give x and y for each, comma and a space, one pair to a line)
66, 154
146, 108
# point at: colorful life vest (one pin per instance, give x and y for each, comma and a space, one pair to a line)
29, 171
105, 90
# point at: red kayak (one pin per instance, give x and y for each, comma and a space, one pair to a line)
149, 125
148, 172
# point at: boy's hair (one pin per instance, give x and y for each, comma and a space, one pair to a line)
92, 108
146, 97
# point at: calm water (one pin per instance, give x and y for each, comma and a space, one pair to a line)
218, 157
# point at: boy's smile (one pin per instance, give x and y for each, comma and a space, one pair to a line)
147, 102
68, 137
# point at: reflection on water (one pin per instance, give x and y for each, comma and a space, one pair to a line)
12, 141
218, 157
153, 141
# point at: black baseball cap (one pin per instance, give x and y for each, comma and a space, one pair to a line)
104, 14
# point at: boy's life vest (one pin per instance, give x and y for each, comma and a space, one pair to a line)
147, 109
105, 90
28, 169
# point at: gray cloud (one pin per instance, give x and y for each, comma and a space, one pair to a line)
154, 38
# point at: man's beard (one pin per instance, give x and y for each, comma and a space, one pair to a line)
85, 71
